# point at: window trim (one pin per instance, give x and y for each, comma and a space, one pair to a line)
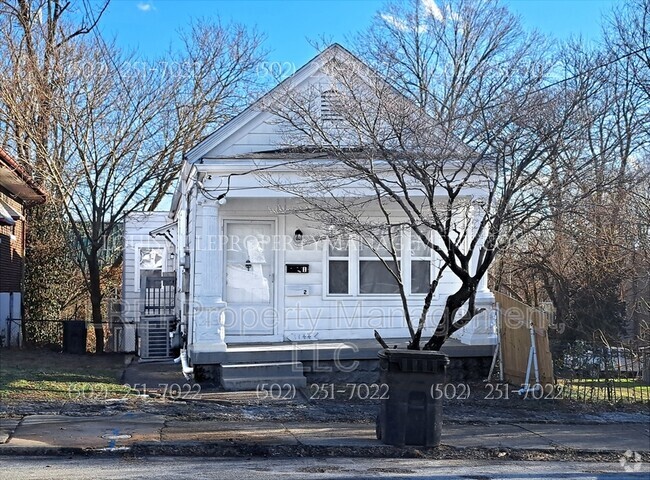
433, 264
138, 248
326, 269
354, 257
375, 258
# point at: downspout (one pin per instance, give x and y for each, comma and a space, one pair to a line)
188, 371
183, 359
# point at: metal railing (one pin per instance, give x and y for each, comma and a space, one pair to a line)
51, 334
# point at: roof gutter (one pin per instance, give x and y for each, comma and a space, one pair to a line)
22, 174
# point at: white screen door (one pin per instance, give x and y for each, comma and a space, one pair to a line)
249, 278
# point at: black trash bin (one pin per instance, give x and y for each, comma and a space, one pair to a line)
74, 336
412, 413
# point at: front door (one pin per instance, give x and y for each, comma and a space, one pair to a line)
249, 263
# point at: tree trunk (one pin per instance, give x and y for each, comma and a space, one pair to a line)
95, 287
453, 303
446, 325
415, 343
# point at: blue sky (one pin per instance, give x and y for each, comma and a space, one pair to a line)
149, 26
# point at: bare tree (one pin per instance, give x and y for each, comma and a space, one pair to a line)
628, 33
584, 257
121, 124
38, 41
453, 137
125, 135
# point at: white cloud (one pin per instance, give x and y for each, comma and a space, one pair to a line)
431, 8
400, 24
395, 22
145, 6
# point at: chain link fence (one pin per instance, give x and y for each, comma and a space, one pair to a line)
597, 371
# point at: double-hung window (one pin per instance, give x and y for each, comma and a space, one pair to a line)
376, 265
149, 261
421, 256
339, 267
354, 268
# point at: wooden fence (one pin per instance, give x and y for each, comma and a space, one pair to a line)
515, 320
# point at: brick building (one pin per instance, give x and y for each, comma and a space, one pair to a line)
18, 192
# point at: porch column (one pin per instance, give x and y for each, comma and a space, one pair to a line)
209, 308
482, 329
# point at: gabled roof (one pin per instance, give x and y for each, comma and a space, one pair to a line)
18, 182
303, 73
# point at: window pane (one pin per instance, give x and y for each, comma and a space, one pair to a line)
418, 248
151, 258
375, 278
420, 276
338, 248
338, 276
366, 251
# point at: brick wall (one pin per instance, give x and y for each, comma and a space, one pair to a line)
12, 249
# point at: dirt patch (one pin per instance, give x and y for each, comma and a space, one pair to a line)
442, 452
248, 406
94, 385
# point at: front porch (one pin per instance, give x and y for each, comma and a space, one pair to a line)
247, 366
364, 349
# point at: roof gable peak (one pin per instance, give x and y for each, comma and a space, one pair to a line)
331, 52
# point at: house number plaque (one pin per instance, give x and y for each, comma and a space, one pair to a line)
297, 268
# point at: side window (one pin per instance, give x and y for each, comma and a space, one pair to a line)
420, 265
149, 260
339, 266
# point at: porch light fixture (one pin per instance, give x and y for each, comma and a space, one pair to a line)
297, 236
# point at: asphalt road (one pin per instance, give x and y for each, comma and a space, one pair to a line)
163, 468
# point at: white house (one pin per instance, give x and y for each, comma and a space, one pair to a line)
246, 273
149, 256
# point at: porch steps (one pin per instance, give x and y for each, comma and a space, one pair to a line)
253, 376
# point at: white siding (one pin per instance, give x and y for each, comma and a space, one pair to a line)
316, 315
258, 135
136, 235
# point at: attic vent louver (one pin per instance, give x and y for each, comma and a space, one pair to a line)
328, 106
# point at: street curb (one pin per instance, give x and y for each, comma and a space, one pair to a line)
236, 449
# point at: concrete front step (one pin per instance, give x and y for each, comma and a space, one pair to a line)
255, 376
321, 351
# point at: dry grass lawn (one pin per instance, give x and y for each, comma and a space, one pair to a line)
43, 375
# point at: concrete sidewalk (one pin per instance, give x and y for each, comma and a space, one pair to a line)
157, 434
